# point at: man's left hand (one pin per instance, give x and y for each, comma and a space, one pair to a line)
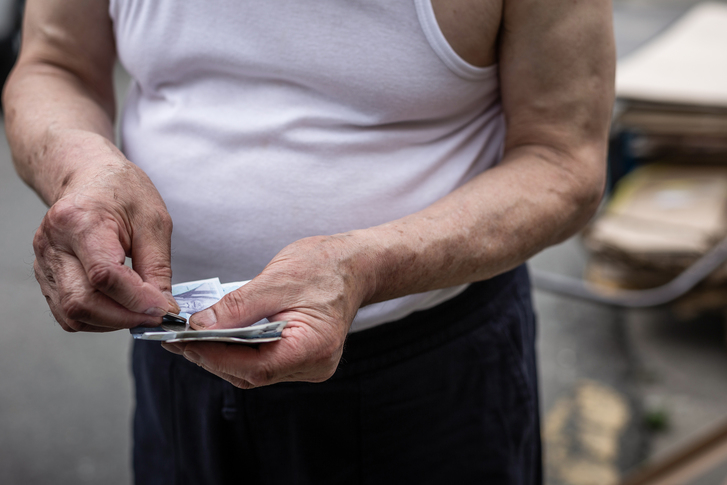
316, 285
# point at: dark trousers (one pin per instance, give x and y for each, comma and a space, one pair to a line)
446, 395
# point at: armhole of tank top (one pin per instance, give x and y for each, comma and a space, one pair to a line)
113, 8
444, 51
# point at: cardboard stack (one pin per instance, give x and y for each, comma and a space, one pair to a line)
672, 115
659, 220
673, 90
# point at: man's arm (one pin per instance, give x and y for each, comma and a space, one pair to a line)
557, 62
59, 105
556, 68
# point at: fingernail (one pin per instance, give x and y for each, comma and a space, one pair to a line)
156, 312
205, 318
172, 302
192, 357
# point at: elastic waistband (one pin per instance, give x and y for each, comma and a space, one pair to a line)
387, 343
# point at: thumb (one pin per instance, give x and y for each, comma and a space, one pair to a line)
151, 259
240, 308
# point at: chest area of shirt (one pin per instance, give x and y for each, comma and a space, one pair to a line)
368, 55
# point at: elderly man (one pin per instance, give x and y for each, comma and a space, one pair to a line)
379, 169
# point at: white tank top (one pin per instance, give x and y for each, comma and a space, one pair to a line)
263, 122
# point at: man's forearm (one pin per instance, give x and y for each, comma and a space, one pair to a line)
59, 100
56, 127
491, 224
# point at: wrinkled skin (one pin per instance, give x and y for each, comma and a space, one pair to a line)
311, 285
83, 241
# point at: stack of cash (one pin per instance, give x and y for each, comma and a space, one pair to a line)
195, 296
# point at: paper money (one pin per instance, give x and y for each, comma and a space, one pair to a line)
195, 296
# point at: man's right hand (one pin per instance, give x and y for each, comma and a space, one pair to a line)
102, 217
59, 111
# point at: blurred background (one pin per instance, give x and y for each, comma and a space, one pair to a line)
629, 395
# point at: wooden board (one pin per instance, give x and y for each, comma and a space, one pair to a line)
695, 461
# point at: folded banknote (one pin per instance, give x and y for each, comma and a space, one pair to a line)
195, 296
